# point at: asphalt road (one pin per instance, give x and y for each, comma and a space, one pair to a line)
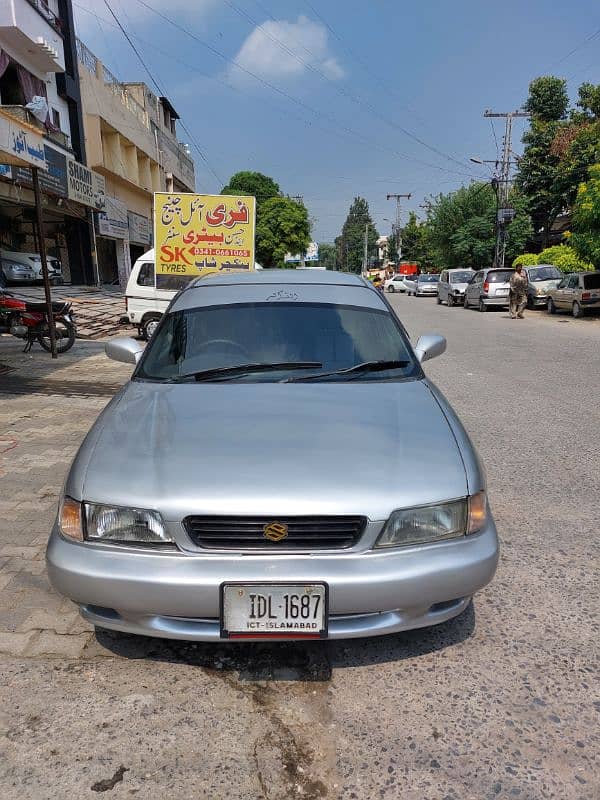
501, 703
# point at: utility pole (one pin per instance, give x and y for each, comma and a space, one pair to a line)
366, 250
397, 227
501, 183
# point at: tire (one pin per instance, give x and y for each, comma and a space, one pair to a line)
57, 282
530, 305
482, 306
577, 310
65, 337
465, 303
551, 306
391, 289
149, 325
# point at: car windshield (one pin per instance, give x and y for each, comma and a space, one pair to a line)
461, 277
544, 274
285, 338
429, 278
591, 281
499, 276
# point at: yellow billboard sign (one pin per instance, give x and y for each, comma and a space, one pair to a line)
200, 234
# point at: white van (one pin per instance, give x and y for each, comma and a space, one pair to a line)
144, 303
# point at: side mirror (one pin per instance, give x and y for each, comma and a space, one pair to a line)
430, 345
124, 349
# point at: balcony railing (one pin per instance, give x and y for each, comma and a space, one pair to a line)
24, 115
46, 12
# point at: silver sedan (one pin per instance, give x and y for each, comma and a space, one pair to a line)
278, 467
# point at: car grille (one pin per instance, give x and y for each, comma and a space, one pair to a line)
248, 533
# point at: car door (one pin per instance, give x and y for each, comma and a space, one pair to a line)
558, 294
443, 286
569, 292
474, 288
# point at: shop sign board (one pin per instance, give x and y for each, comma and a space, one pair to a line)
139, 228
312, 254
201, 234
85, 186
54, 180
20, 146
113, 222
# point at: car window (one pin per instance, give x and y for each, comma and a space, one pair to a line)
146, 276
591, 281
336, 336
399, 278
574, 282
460, 277
429, 278
543, 274
499, 276
563, 283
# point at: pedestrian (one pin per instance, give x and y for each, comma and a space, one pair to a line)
518, 293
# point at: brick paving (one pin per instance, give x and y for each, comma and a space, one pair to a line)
97, 311
46, 407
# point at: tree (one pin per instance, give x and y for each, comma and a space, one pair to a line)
564, 258
461, 227
350, 243
415, 243
586, 219
282, 227
327, 257
526, 260
548, 99
391, 248
255, 184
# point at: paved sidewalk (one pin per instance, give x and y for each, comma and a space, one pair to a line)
97, 311
46, 407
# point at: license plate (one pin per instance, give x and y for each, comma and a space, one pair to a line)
501, 292
273, 610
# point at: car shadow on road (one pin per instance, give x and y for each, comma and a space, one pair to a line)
293, 661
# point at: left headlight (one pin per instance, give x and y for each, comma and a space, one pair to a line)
452, 520
124, 525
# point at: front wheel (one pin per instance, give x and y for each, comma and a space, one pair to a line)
577, 310
465, 302
65, 336
551, 306
391, 289
149, 325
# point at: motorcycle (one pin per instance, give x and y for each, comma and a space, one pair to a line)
29, 321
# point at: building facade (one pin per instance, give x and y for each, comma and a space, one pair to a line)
39, 97
130, 139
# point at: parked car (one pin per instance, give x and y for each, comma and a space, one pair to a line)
489, 287
144, 303
26, 268
423, 285
541, 279
452, 285
196, 510
577, 293
395, 284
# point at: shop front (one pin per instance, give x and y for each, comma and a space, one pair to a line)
139, 235
112, 242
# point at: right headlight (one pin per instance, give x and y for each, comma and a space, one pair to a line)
452, 520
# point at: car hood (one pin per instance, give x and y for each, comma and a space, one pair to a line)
546, 285
460, 286
301, 448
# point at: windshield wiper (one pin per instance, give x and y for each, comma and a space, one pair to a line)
357, 369
242, 369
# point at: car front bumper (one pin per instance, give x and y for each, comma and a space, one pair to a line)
426, 293
176, 595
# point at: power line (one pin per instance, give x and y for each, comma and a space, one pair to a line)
345, 93
160, 90
575, 49
293, 99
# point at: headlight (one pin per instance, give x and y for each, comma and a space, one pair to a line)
125, 525
434, 523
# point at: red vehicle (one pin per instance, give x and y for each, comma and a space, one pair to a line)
29, 321
408, 268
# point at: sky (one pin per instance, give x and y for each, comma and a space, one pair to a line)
339, 98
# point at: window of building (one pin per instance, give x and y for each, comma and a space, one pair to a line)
56, 119
11, 93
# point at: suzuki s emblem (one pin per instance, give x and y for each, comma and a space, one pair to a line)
275, 531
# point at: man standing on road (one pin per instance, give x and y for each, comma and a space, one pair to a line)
518, 293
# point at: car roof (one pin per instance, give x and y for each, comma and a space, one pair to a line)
279, 277
460, 269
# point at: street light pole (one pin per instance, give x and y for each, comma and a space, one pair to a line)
42, 246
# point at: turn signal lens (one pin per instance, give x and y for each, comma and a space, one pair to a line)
477, 512
70, 519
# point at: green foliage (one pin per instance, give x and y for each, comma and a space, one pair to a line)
327, 255
589, 100
548, 99
282, 227
526, 260
416, 245
461, 227
564, 258
252, 183
350, 243
585, 239
392, 248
